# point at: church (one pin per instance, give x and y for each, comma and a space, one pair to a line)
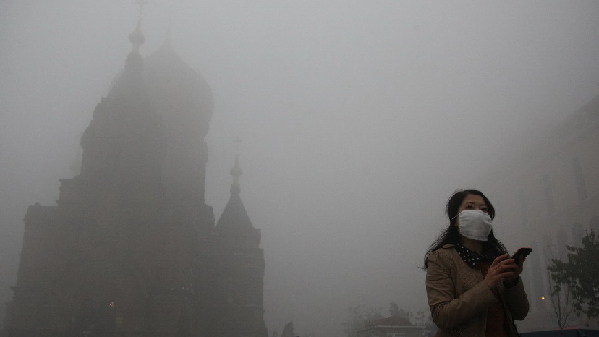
132, 248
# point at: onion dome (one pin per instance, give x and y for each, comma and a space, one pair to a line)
136, 37
180, 94
184, 103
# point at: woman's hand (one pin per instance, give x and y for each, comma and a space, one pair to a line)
511, 281
502, 269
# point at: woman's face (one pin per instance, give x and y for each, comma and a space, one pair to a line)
472, 201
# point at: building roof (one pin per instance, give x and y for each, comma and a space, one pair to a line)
234, 215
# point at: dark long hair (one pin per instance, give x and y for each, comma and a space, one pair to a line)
452, 235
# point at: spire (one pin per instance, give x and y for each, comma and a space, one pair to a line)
234, 215
136, 37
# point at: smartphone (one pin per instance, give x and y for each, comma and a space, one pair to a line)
524, 251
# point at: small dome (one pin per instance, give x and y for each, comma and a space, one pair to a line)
136, 37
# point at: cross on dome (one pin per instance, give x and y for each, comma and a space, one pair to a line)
141, 4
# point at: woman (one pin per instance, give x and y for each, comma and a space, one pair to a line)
473, 286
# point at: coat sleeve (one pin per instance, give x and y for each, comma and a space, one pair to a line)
448, 310
516, 300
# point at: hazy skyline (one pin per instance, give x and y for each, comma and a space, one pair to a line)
358, 119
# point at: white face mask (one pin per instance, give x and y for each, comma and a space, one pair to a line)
475, 224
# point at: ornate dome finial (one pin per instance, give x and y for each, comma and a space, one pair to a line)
136, 37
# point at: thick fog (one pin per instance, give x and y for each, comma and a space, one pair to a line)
357, 119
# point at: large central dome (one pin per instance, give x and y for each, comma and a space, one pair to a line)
183, 101
180, 95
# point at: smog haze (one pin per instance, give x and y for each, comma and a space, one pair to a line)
357, 120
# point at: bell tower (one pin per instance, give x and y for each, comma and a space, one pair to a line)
239, 265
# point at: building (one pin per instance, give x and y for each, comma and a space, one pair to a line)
547, 197
239, 265
394, 326
131, 248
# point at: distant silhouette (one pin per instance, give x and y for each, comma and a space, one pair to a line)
132, 248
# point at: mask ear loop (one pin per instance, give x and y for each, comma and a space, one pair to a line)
454, 220
457, 215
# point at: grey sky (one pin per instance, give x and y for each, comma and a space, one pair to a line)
358, 119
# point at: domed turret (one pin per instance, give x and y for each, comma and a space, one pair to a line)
136, 37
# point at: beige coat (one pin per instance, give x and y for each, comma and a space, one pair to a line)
459, 297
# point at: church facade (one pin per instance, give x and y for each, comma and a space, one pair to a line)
132, 248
